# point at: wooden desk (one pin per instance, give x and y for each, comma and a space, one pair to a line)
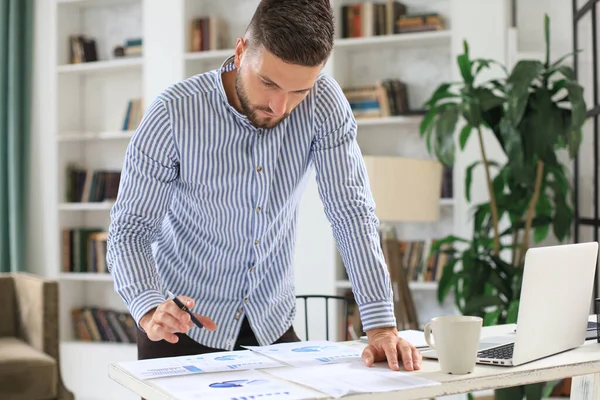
583, 364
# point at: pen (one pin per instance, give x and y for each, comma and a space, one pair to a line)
184, 308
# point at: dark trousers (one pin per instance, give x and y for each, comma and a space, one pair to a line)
187, 346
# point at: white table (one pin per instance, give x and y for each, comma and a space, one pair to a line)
583, 364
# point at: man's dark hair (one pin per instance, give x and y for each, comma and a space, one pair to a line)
296, 31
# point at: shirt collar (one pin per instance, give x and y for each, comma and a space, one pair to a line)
227, 66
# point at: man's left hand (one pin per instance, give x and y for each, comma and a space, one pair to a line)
384, 343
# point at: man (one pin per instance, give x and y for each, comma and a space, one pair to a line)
210, 190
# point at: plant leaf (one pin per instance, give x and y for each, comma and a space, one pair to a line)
563, 58
498, 185
499, 282
513, 312
534, 391
447, 280
567, 72
464, 135
521, 77
578, 116
549, 387
492, 119
427, 120
540, 233
441, 92
541, 127
476, 305
510, 393
471, 110
513, 147
448, 240
469, 179
491, 318
547, 39
543, 208
444, 136
464, 64
487, 99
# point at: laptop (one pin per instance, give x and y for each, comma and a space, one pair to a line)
556, 296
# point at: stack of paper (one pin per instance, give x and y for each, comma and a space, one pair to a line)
300, 354
300, 370
339, 380
236, 385
211, 362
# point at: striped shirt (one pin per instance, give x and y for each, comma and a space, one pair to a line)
208, 207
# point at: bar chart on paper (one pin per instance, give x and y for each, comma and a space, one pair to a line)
236, 385
316, 352
186, 365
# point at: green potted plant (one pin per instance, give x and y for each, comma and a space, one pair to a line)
534, 113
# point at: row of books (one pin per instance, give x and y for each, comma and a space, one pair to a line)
88, 185
131, 48
419, 264
133, 114
373, 18
208, 33
91, 324
386, 98
84, 250
82, 49
370, 18
447, 183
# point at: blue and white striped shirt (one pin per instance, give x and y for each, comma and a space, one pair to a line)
208, 206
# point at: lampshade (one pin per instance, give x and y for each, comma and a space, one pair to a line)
405, 189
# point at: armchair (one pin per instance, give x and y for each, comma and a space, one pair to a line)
29, 342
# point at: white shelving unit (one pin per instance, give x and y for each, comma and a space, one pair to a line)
88, 104
83, 136
101, 66
426, 39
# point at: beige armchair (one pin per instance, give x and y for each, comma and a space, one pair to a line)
29, 342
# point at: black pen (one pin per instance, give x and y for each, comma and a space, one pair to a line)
184, 308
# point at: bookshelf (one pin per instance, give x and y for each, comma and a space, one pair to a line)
88, 105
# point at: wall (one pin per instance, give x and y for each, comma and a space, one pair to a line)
36, 202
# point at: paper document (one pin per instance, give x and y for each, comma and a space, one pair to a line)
235, 385
414, 337
342, 379
211, 362
299, 354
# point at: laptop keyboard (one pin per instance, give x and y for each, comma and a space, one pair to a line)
504, 352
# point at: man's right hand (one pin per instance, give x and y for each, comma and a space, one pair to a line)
167, 319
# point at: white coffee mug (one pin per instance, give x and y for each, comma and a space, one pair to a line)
456, 341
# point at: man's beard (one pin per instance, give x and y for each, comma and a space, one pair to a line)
252, 112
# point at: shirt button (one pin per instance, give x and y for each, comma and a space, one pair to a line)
252, 269
260, 131
258, 209
246, 300
237, 316
240, 309
259, 168
256, 241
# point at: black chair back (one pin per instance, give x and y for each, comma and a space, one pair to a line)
326, 299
